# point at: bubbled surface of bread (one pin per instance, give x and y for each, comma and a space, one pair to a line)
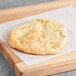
39, 36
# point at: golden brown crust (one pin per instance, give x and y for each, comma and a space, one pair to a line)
40, 36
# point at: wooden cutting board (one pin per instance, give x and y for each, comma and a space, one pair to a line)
52, 66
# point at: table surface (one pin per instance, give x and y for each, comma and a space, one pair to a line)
5, 69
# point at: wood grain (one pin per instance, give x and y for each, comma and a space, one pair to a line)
19, 12
51, 66
9, 55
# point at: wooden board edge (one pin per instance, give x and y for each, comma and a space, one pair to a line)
9, 14
55, 65
9, 55
19, 68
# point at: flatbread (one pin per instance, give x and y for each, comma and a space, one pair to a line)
39, 36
